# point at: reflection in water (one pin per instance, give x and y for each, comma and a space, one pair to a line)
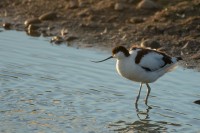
146, 113
47, 88
144, 124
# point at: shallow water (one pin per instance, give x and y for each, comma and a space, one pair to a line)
46, 88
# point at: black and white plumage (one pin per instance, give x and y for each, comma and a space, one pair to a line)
142, 65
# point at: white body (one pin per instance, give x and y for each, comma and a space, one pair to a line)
127, 67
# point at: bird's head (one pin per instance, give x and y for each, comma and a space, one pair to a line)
118, 52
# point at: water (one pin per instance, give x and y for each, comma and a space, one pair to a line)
46, 88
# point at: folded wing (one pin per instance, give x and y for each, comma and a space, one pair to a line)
153, 60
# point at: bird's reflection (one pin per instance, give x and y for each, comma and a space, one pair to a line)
144, 124
146, 113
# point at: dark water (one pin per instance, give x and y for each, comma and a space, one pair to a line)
47, 88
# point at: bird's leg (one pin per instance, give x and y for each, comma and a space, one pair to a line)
137, 98
148, 92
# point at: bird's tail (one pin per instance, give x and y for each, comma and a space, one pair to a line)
172, 66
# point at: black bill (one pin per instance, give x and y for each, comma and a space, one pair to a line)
103, 59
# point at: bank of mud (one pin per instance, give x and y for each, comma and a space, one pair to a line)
173, 27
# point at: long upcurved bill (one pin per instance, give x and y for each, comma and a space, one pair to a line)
103, 59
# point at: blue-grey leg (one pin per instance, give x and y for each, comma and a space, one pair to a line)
137, 98
148, 92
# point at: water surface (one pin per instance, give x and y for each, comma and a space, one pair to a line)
47, 88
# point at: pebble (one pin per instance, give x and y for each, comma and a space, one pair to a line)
33, 33
134, 20
119, 7
57, 40
147, 4
7, 26
150, 43
50, 28
72, 4
64, 32
48, 16
33, 27
45, 33
82, 3
197, 101
71, 38
84, 13
196, 56
31, 21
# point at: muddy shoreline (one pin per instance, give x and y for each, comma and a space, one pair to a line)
172, 27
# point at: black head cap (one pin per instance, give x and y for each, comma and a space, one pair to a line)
120, 49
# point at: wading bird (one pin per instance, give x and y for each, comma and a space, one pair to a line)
142, 65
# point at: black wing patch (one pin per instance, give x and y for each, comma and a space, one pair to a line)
147, 69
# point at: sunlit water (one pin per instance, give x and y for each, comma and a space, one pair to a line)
46, 88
